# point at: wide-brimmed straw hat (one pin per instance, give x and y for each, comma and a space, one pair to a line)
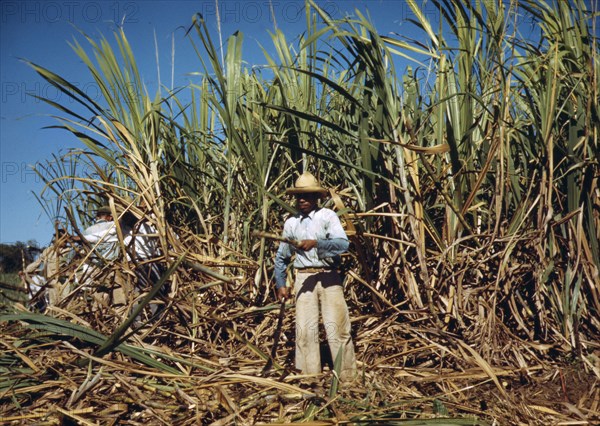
307, 184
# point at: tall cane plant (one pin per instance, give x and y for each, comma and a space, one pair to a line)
467, 180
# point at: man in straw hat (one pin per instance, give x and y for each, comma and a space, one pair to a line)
320, 241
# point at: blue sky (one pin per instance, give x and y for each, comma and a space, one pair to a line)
39, 31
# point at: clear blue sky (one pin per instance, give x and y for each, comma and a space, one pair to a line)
40, 30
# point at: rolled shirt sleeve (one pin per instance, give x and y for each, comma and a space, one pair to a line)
282, 260
331, 247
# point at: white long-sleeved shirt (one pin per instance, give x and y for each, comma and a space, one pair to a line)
103, 236
321, 224
145, 242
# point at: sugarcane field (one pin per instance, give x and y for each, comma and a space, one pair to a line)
321, 236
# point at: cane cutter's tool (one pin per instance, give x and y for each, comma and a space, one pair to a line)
275, 237
276, 336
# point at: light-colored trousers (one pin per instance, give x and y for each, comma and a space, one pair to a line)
324, 290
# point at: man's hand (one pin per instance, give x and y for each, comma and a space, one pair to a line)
282, 293
306, 244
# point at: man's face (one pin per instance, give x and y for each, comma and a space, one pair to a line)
306, 202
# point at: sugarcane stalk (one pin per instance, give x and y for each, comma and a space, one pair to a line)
276, 237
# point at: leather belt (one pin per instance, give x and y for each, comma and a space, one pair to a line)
314, 270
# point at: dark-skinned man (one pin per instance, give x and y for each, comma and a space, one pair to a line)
321, 240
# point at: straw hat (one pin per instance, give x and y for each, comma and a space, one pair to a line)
307, 184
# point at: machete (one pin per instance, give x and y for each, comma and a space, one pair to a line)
276, 336
277, 333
